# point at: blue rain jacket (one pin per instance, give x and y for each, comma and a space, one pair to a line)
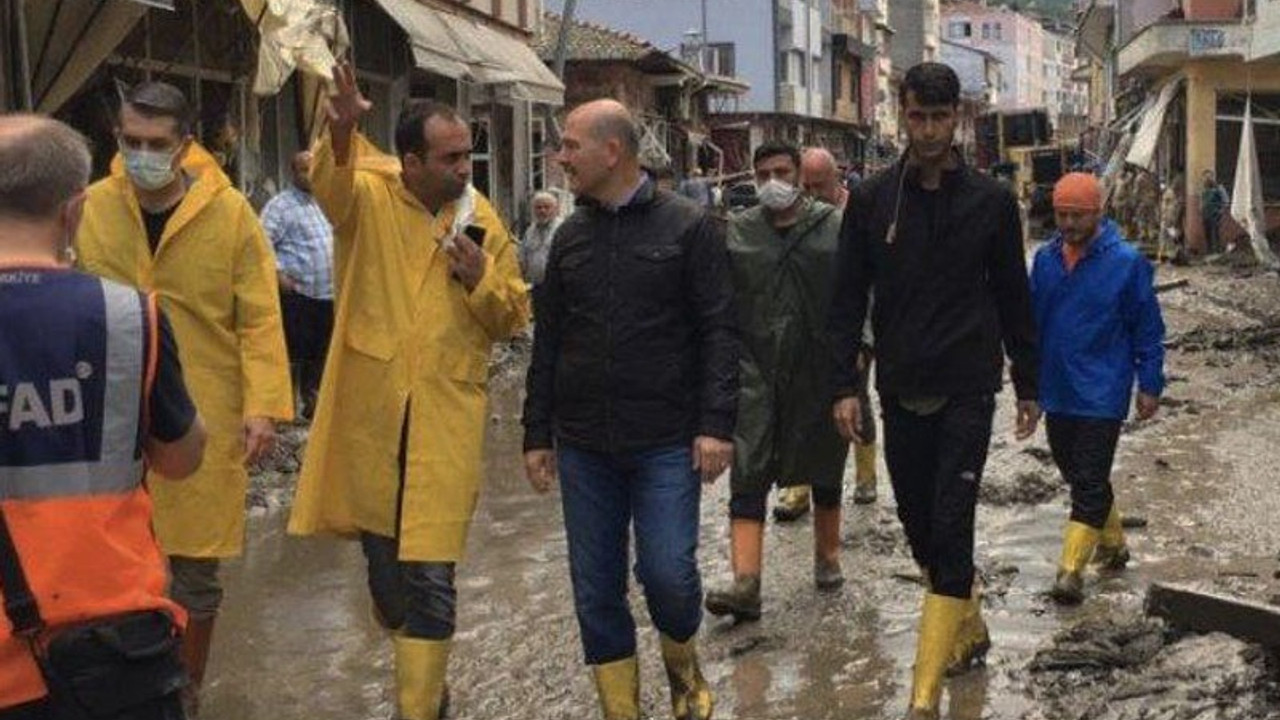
1100, 327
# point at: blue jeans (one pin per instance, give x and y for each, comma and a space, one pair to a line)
603, 495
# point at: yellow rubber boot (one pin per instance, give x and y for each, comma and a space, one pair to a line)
1112, 553
618, 684
691, 697
974, 641
1078, 545
793, 503
940, 624
864, 462
420, 670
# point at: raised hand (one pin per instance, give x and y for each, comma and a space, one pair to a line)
347, 105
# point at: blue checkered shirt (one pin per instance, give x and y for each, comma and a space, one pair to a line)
303, 241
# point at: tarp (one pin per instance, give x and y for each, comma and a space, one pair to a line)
1246, 197
296, 34
1143, 151
465, 49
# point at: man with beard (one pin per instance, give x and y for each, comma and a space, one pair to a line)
427, 281
1100, 330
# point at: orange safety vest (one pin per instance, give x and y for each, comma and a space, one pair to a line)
77, 357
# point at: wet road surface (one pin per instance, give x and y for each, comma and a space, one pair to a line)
296, 639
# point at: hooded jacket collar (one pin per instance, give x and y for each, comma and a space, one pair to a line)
1108, 237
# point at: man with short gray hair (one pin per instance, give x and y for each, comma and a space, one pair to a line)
91, 394
536, 243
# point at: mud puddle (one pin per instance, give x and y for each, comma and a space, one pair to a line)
296, 639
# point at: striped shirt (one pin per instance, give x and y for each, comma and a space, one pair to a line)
302, 238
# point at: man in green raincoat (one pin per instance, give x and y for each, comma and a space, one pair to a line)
782, 254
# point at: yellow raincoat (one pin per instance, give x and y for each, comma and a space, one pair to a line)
407, 338
215, 274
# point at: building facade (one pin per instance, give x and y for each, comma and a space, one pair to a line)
476, 55
804, 61
1183, 80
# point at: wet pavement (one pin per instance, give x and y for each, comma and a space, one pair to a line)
296, 639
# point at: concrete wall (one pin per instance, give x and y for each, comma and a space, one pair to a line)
747, 23
907, 18
970, 65
1266, 29
1134, 15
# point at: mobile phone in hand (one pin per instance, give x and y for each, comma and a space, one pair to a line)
476, 233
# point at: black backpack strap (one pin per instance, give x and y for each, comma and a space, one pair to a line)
19, 604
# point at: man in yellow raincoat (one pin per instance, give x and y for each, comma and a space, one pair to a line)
167, 220
427, 280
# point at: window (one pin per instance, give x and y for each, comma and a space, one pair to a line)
1266, 135
986, 31
481, 155
723, 58
538, 153
999, 32
960, 29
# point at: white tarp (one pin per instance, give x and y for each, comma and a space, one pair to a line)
466, 49
296, 34
1143, 151
1246, 198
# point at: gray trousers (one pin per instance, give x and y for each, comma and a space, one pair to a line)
194, 584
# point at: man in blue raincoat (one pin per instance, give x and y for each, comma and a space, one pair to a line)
1100, 333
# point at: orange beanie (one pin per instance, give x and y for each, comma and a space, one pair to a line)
1077, 191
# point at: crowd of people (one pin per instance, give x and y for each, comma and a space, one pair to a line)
672, 346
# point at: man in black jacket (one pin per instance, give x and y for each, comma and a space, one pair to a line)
632, 394
941, 246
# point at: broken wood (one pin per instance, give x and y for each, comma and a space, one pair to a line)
1204, 612
1171, 285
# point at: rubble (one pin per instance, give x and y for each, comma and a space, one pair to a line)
1136, 668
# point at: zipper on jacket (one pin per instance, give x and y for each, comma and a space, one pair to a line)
616, 223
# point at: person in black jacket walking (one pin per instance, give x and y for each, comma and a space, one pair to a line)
941, 246
632, 394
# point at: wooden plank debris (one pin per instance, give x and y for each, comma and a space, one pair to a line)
1204, 612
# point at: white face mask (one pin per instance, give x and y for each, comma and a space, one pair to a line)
777, 195
149, 169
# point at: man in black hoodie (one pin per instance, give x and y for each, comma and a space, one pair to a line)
941, 246
632, 395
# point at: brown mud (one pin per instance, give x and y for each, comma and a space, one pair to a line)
296, 639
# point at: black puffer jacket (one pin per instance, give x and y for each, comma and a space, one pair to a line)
635, 345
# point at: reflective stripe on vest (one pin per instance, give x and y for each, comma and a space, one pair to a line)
118, 468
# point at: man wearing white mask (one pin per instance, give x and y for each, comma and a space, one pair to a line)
782, 255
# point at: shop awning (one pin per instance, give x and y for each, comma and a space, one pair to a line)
465, 49
1143, 151
68, 41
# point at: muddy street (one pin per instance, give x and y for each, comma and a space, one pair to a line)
297, 640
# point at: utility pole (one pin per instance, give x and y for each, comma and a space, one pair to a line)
703, 60
557, 66
562, 42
